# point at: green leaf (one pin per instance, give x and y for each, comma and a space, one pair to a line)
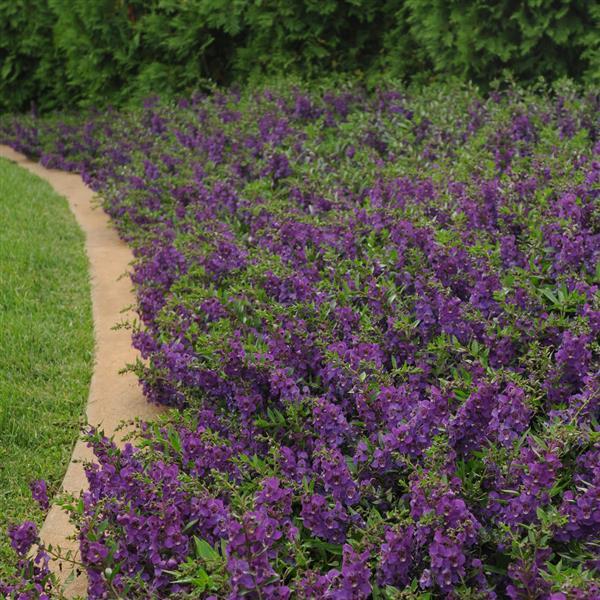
175, 440
326, 546
204, 550
494, 569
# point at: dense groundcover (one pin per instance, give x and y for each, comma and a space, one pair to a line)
377, 318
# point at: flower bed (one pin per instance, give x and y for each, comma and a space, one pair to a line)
377, 315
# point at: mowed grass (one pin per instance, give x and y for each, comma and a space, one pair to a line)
46, 342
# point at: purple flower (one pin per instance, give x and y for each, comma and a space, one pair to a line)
93, 553
39, 492
447, 561
328, 523
22, 537
397, 557
511, 416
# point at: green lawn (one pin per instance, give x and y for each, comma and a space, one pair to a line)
46, 342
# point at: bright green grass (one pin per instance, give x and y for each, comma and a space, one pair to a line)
46, 342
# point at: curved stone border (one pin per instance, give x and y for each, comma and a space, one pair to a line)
113, 397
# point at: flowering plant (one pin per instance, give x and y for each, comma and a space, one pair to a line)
376, 318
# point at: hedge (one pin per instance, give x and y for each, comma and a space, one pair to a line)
77, 52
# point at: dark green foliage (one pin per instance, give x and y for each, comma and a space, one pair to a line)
123, 50
83, 52
29, 66
97, 45
479, 38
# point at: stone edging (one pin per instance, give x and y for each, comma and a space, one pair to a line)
113, 397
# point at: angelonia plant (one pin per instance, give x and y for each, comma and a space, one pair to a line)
375, 316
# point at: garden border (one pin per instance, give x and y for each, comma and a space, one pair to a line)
113, 397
